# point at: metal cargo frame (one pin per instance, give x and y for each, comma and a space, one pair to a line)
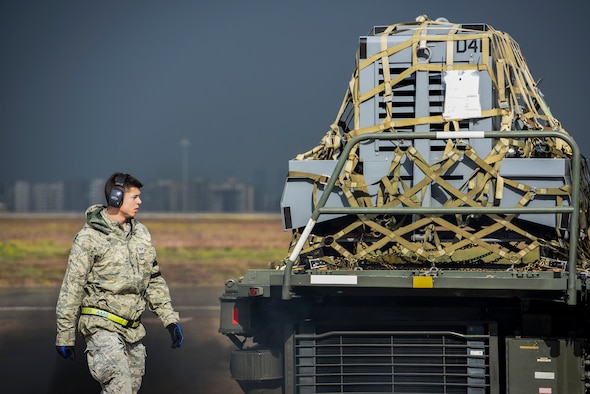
496, 281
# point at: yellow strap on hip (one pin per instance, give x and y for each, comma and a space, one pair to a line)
110, 316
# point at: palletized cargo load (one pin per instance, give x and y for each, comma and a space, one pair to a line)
457, 81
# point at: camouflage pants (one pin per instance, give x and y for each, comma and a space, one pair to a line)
118, 366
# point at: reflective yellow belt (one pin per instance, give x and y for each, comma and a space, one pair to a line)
111, 316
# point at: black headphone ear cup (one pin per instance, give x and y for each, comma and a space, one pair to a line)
116, 197
118, 191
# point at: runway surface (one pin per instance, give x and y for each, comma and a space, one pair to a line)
30, 364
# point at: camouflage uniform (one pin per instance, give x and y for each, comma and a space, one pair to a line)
112, 267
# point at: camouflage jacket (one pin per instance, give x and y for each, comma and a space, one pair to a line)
112, 267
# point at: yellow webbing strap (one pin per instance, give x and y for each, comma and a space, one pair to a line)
398, 123
111, 316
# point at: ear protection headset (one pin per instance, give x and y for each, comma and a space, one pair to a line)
116, 195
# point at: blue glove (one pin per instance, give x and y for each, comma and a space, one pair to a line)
66, 352
175, 334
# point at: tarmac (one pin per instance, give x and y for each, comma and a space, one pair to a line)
29, 362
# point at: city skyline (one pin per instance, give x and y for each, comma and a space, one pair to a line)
164, 195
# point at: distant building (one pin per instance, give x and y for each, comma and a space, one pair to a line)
47, 197
5, 194
161, 196
95, 194
22, 196
232, 196
199, 195
76, 195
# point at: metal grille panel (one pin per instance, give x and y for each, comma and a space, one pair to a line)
392, 362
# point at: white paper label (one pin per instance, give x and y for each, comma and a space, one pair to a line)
462, 94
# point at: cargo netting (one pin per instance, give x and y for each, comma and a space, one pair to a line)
461, 241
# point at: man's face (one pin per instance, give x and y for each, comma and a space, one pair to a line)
131, 202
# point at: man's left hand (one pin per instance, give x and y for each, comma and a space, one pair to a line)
175, 334
66, 352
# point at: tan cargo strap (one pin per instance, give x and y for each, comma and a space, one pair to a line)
111, 316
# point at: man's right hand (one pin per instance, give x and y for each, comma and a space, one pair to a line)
66, 352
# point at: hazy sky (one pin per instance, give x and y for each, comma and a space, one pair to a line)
90, 87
